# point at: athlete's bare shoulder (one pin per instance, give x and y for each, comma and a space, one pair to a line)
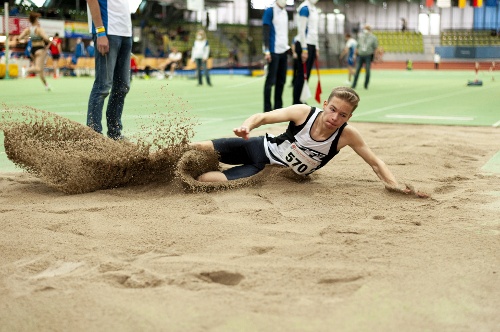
350, 136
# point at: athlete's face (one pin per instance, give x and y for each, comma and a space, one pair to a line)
336, 113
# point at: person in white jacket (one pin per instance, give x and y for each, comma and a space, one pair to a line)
200, 54
306, 44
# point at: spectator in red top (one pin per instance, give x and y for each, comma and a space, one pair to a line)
133, 65
56, 51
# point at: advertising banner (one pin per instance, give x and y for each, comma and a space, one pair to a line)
77, 29
18, 24
51, 27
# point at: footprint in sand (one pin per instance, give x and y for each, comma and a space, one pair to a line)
339, 280
136, 279
222, 277
260, 250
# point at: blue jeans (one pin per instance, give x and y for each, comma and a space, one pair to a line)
112, 72
201, 65
367, 60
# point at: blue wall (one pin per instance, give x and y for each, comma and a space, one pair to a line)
462, 52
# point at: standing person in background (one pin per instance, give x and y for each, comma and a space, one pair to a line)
111, 29
275, 34
403, 25
200, 54
91, 49
39, 44
307, 44
56, 51
437, 60
349, 51
367, 46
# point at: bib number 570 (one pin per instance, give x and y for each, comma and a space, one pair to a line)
296, 163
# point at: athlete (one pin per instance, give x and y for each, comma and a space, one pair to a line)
349, 51
56, 51
39, 42
314, 136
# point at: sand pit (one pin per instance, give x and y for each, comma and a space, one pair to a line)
336, 252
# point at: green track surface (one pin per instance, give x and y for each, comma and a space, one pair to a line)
394, 96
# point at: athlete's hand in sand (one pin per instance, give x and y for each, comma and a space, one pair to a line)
242, 132
407, 191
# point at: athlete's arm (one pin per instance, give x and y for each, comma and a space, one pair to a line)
295, 113
24, 34
356, 142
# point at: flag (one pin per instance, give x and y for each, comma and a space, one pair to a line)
429, 3
318, 86
477, 3
491, 3
461, 3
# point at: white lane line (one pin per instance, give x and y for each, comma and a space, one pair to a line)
496, 124
247, 83
414, 102
430, 117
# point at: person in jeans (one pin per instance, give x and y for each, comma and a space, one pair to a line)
111, 29
367, 46
275, 35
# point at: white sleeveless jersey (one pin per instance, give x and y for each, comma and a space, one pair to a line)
298, 150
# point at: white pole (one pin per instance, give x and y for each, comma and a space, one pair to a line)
6, 24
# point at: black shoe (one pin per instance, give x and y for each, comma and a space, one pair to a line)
120, 138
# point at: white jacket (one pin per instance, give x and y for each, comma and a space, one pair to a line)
201, 50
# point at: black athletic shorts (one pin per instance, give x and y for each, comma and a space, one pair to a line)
36, 48
248, 154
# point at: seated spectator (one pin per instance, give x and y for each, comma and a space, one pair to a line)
174, 61
79, 50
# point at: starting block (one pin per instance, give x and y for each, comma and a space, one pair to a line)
475, 83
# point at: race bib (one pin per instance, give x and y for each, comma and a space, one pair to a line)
300, 161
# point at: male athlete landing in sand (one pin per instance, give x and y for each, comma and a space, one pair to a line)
312, 139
